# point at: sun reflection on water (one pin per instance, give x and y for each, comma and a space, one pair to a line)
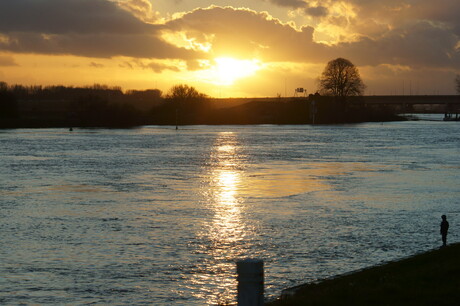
226, 226
225, 230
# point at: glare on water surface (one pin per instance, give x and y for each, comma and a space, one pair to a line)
226, 226
159, 216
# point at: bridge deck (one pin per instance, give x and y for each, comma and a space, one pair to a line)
412, 99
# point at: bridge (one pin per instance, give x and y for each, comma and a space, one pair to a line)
413, 104
428, 104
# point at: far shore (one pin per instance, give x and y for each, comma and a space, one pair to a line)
98, 113
430, 278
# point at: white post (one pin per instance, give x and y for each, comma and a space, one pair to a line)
250, 282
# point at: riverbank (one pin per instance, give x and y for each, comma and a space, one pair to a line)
431, 278
120, 112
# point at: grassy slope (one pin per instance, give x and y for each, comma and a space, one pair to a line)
432, 278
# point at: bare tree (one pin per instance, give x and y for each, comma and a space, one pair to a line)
457, 83
341, 79
184, 93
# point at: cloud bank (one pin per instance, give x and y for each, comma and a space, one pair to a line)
93, 28
415, 33
255, 34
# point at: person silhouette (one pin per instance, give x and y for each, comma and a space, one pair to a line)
444, 229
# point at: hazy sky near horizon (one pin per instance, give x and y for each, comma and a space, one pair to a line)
231, 48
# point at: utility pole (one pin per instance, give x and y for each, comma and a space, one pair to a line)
285, 87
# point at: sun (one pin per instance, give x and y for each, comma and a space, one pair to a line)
227, 70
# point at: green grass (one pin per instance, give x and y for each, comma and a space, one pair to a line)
431, 278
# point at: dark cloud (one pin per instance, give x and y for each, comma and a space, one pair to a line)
252, 34
95, 28
304, 6
156, 66
393, 13
6, 61
317, 11
390, 32
95, 45
126, 64
69, 16
96, 65
440, 10
290, 3
401, 13
246, 33
444, 12
140, 8
420, 45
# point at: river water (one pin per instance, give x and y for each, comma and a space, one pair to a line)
158, 216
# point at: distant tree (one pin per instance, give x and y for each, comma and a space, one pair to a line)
457, 83
341, 79
8, 103
185, 105
184, 93
3, 86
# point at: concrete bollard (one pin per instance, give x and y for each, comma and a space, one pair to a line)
250, 282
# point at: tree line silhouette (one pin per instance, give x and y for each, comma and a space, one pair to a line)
105, 106
96, 105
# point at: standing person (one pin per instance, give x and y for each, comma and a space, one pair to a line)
444, 229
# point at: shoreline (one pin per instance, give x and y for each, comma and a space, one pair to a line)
427, 278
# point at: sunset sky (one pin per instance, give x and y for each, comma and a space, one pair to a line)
252, 48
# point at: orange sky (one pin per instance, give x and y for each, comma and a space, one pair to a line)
231, 48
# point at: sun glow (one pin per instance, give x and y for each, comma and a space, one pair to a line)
227, 70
